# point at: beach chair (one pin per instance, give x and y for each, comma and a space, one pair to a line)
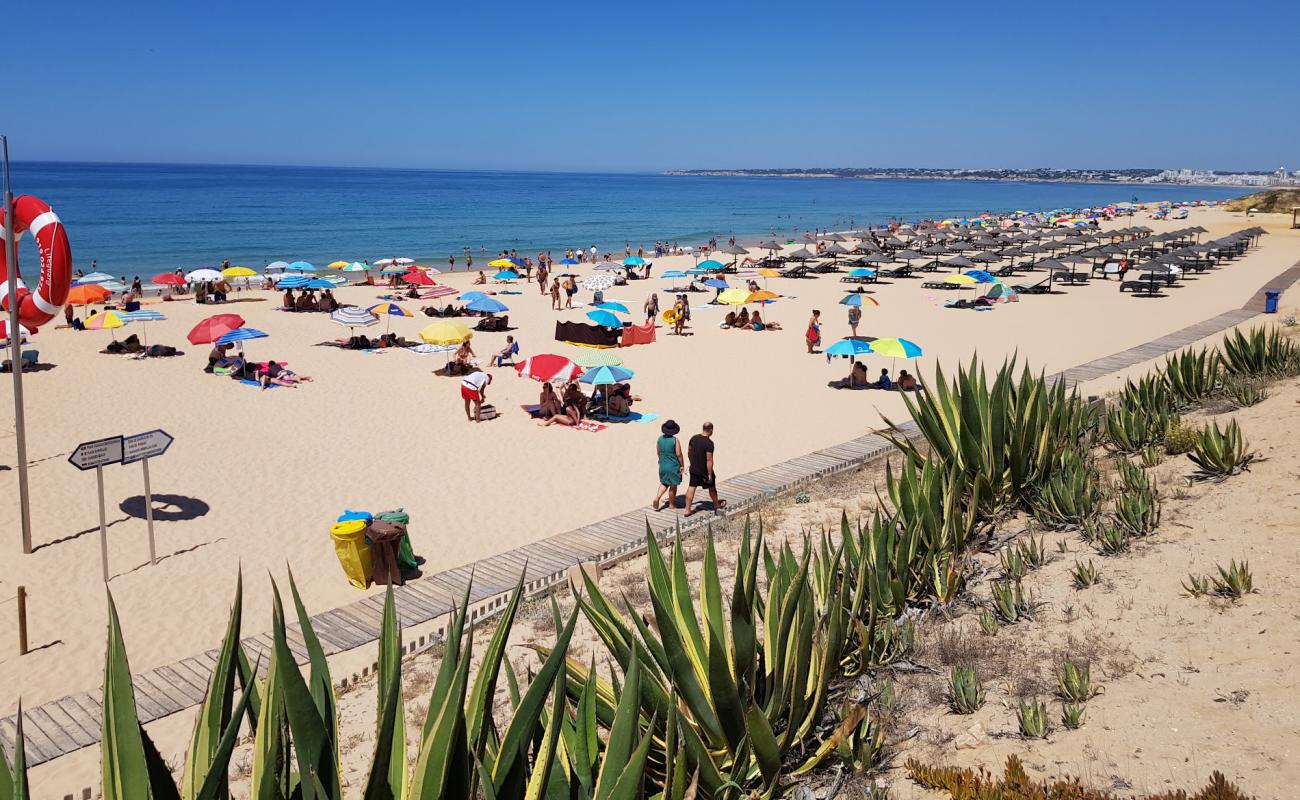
800, 271
897, 272
509, 358
940, 285
1042, 287
1005, 272
30, 358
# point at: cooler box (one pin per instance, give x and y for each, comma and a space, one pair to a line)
405, 553
354, 554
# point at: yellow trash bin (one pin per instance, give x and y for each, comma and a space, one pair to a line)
353, 552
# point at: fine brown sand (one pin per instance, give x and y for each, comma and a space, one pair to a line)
273, 469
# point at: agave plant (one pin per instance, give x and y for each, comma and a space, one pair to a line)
1137, 510
1070, 494
1192, 375
1072, 715
965, 693
1074, 682
1032, 719
1245, 392
1109, 539
1220, 453
1259, 352
1084, 575
1010, 602
1234, 582
1197, 586
989, 624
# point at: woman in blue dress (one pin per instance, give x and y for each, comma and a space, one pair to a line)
669, 451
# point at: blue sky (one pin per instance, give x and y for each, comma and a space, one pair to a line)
654, 85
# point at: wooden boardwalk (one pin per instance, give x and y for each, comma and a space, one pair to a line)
62, 726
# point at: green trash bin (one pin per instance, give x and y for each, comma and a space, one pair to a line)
405, 553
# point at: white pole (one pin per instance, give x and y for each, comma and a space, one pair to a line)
15, 353
148, 511
103, 526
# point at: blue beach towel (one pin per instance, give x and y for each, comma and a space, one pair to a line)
247, 382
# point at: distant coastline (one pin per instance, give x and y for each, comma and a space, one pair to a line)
1134, 177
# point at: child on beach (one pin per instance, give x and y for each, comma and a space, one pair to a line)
813, 336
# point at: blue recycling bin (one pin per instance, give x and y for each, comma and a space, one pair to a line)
1270, 301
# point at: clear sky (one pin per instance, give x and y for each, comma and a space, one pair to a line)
659, 84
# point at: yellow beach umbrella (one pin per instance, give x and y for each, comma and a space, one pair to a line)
762, 296
768, 272
338, 265
445, 332
734, 297
960, 280
237, 272
502, 263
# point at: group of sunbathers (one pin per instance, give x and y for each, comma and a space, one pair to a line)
857, 379
270, 373
308, 301
747, 321
363, 342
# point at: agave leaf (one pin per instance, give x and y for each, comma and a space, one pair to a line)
444, 767
125, 770
387, 779
161, 785
546, 754
215, 784
13, 783
622, 734
313, 740
628, 786
214, 714
766, 751
270, 778
478, 711
322, 687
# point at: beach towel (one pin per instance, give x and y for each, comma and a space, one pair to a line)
248, 382
587, 425
635, 416
534, 410
426, 349
638, 334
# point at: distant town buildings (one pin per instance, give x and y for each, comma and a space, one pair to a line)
1278, 177
1205, 177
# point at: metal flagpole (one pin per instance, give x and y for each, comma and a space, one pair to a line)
16, 351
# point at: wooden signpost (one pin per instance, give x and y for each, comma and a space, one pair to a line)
100, 453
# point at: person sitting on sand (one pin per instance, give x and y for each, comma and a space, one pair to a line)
327, 302
219, 356
729, 321
884, 382
549, 403
906, 383
307, 301
742, 320
289, 303
481, 280
276, 374
464, 358
508, 352
575, 402
857, 378
756, 320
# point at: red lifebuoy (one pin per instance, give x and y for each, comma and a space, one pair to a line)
38, 307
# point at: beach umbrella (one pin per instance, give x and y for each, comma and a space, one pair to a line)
338, 264
588, 358
168, 279
95, 277
711, 265
802, 254
404, 261
214, 327
501, 263
144, 316
608, 265
468, 296
763, 296
318, 283
734, 297
610, 305
697, 271
445, 332
896, 348
487, 305
849, 348
355, 266
960, 280
506, 275
293, 282
436, 292
238, 336
199, 275
568, 261
736, 250
385, 262
856, 299
112, 287
388, 311
277, 266
418, 278
391, 270
106, 321
335, 280
237, 272
87, 294
862, 272
633, 261
606, 374
673, 274
715, 283
301, 266
353, 317
979, 275
768, 272
598, 282
549, 368
605, 319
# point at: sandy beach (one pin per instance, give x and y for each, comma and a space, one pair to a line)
257, 477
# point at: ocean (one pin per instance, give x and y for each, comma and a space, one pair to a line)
141, 219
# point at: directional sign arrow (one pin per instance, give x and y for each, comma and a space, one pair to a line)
149, 444
98, 453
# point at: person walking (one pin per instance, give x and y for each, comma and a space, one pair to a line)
651, 307
813, 336
855, 316
555, 294
700, 450
669, 451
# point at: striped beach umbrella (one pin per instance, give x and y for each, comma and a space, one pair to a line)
607, 374
353, 317
238, 336
106, 321
549, 368
144, 316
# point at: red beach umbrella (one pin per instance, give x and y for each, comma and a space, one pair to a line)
549, 367
418, 278
169, 279
214, 327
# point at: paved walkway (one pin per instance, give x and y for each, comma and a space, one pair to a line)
73, 722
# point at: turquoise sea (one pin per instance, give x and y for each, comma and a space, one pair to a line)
140, 219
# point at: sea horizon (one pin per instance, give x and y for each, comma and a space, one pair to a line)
144, 218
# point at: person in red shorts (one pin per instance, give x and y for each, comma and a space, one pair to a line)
473, 389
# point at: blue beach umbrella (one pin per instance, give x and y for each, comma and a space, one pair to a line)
292, 282
604, 375
487, 305
568, 261
301, 266
673, 274
518, 262
239, 336
610, 305
143, 316
980, 276
710, 265
849, 347
697, 271
715, 283
469, 296
851, 300
633, 261
318, 283
506, 275
605, 319
862, 272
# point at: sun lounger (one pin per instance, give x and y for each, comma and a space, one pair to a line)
1042, 287
896, 272
858, 279
940, 285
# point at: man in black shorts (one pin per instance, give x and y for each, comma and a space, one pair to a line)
699, 451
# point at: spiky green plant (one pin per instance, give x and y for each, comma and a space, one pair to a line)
1133, 478
1259, 352
1074, 682
1013, 565
1032, 551
1235, 582
965, 692
862, 747
1010, 602
989, 624
1197, 586
1084, 575
1220, 453
13, 775
1244, 392
1032, 719
1138, 510
1192, 375
1070, 494
1151, 455
1072, 715
1109, 539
